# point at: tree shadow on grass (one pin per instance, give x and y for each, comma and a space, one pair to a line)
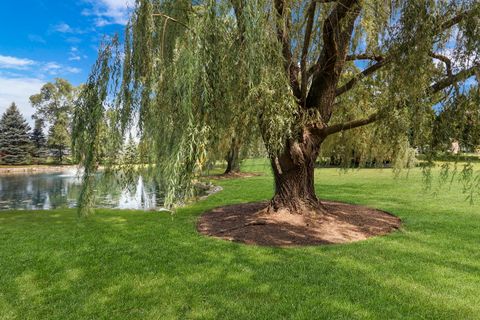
148, 265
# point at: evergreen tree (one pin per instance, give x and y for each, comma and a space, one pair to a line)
39, 151
59, 136
14, 137
130, 152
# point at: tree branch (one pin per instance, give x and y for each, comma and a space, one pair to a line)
306, 46
455, 20
381, 62
444, 59
325, 132
447, 81
337, 34
365, 73
365, 56
283, 28
436, 87
170, 18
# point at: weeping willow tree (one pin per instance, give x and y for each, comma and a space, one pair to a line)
305, 75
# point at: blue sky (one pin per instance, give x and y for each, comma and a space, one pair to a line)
46, 39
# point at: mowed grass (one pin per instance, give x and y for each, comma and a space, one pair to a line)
150, 265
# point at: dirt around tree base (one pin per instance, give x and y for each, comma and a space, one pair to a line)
343, 223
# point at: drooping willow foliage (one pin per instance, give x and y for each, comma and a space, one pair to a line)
190, 75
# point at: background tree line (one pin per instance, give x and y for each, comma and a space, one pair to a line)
50, 139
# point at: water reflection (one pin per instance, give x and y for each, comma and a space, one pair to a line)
60, 190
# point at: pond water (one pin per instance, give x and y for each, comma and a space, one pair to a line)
46, 191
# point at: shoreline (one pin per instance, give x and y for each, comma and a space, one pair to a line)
35, 169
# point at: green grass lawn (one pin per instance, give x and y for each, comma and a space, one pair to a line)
150, 265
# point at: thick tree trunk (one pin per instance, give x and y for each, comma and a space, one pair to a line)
233, 158
294, 180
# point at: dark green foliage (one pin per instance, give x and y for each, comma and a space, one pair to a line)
130, 152
39, 143
54, 106
59, 137
448, 157
54, 99
15, 144
459, 121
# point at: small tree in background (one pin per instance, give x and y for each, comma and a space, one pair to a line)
53, 100
59, 137
15, 143
39, 150
54, 106
130, 152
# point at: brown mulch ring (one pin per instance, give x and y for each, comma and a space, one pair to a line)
233, 175
343, 223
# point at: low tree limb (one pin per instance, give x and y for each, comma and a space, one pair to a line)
365, 56
365, 73
436, 87
325, 132
370, 70
447, 81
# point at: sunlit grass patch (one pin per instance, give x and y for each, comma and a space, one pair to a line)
151, 265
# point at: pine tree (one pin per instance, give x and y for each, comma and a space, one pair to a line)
14, 137
130, 152
39, 151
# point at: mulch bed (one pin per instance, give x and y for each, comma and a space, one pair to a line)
249, 223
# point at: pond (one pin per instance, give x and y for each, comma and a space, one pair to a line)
44, 191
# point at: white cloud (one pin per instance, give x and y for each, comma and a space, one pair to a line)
9, 62
54, 69
67, 29
109, 11
26, 65
63, 28
19, 90
51, 68
73, 70
20, 78
74, 54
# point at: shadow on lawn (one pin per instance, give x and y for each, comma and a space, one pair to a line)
148, 265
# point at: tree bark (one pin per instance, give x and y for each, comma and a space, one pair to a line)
233, 158
293, 173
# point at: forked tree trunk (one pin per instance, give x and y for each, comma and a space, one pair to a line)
294, 181
233, 158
